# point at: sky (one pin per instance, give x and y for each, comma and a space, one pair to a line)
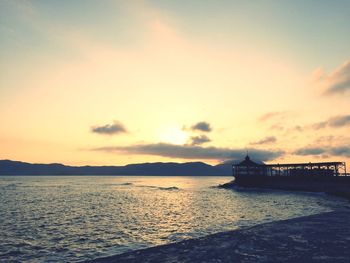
118, 82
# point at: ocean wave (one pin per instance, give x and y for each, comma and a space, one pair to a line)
126, 183
117, 184
10, 186
171, 188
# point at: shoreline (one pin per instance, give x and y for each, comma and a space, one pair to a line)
322, 237
339, 189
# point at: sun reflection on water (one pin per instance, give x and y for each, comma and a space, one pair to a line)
76, 218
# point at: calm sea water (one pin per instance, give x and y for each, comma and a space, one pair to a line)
75, 218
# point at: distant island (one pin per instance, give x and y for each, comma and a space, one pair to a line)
8, 167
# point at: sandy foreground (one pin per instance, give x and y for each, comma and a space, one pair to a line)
318, 238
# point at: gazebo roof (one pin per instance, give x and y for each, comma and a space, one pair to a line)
248, 162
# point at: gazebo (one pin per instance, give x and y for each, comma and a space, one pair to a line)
249, 168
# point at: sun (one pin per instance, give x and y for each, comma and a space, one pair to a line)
173, 134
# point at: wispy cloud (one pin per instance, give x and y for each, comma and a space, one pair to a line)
274, 115
280, 121
191, 152
310, 151
334, 122
277, 127
266, 140
336, 82
339, 121
269, 115
198, 140
335, 151
202, 126
109, 129
341, 151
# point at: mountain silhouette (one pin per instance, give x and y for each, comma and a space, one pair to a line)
8, 167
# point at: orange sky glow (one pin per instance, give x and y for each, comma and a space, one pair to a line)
144, 81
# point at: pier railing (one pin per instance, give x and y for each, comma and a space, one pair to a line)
299, 169
323, 169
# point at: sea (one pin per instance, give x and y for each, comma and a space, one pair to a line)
78, 218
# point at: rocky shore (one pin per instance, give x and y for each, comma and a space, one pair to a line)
317, 238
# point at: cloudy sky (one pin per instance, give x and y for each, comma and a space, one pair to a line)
117, 82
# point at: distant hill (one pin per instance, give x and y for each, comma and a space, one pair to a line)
8, 167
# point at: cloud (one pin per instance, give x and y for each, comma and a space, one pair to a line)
341, 151
275, 115
336, 82
280, 121
310, 151
269, 115
202, 126
319, 125
192, 152
109, 129
335, 151
339, 121
198, 140
277, 127
298, 128
266, 140
334, 122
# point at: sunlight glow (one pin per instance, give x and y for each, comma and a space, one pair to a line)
173, 134
158, 66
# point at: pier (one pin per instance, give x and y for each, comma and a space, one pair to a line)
320, 169
327, 177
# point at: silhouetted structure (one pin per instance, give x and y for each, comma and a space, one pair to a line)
249, 168
307, 169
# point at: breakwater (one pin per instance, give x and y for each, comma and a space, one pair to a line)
334, 185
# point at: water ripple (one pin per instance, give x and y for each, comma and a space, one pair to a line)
59, 219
